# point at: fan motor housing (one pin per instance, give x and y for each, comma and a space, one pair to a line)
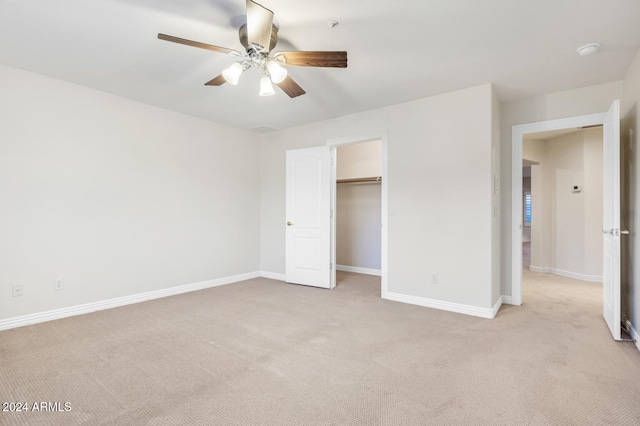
244, 39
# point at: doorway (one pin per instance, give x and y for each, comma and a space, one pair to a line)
358, 201
562, 203
611, 205
359, 179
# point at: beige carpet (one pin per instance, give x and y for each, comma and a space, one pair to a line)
263, 352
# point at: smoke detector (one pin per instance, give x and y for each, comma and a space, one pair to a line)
588, 49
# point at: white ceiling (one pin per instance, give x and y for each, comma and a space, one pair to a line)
398, 50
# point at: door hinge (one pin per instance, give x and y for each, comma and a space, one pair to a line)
331, 161
330, 265
330, 213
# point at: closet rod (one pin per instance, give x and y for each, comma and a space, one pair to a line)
367, 179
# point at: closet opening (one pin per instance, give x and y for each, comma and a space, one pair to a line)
358, 215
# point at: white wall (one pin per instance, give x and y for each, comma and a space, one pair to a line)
592, 190
587, 100
439, 177
566, 167
359, 160
116, 197
534, 150
630, 147
358, 239
496, 292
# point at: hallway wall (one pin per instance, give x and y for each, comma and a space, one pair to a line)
567, 225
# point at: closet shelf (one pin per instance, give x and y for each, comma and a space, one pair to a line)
365, 179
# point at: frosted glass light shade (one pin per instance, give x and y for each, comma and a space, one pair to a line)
276, 71
266, 89
232, 74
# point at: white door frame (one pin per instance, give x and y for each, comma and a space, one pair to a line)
518, 133
334, 144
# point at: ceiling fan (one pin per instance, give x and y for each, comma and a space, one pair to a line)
259, 36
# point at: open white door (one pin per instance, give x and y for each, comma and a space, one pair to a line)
308, 249
611, 220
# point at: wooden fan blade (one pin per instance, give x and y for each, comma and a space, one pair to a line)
259, 22
290, 87
216, 81
198, 44
312, 59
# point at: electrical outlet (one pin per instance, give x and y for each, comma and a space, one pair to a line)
434, 279
58, 284
16, 290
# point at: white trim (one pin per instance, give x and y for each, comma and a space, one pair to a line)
568, 274
506, 300
384, 237
382, 136
496, 308
273, 276
358, 270
634, 334
334, 214
517, 134
119, 301
459, 308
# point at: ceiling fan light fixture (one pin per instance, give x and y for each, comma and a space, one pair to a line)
232, 74
266, 89
277, 73
259, 35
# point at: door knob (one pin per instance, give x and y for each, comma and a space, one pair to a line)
615, 232
289, 223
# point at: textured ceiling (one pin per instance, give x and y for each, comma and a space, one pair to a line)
398, 50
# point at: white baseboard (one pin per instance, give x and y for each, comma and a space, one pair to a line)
506, 300
568, 274
496, 308
459, 308
272, 275
119, 301
634, 334
358, 270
